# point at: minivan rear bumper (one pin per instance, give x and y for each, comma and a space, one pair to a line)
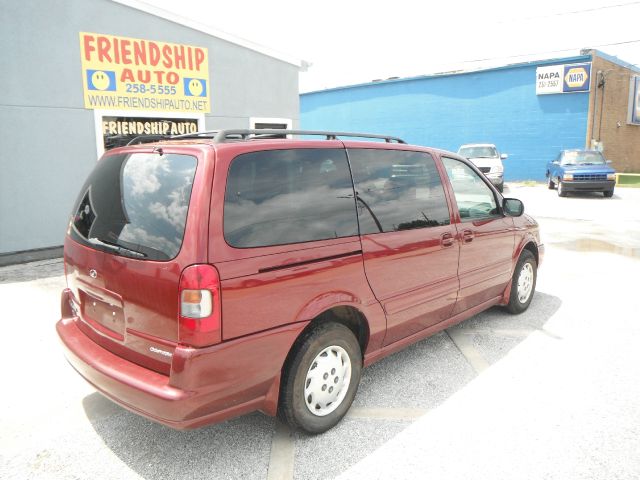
206, 398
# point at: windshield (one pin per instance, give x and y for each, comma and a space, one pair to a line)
582, 158
478, 152
135, 205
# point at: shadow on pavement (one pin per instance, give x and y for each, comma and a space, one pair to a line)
237, 448
496, 332
419, 378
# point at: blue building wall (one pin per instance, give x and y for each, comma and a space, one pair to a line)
497, 106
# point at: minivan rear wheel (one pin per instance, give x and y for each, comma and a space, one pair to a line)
321, 378
523, 283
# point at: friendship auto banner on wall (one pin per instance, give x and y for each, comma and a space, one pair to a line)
118, 131
563, 78
134, 74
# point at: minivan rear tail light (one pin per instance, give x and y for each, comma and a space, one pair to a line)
200, 313
196, 303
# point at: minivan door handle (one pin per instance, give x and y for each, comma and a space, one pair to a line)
467, 236
447, 240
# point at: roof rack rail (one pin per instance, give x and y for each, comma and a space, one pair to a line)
222, 136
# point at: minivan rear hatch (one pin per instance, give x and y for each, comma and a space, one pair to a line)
126, 246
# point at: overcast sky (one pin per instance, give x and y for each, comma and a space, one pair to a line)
351, 42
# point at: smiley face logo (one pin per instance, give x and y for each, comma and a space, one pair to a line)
195, 87
103, 80
100, 80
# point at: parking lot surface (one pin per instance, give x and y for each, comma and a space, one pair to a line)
552, 393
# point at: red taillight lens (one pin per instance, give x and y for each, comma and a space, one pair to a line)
200, 313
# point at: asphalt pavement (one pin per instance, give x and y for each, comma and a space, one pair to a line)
549, 394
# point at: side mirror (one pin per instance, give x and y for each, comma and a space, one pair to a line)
556, 162
513, 207
504, 156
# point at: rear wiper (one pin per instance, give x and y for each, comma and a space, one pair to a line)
115, 247
587, 163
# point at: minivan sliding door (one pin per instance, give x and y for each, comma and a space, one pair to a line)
410, 253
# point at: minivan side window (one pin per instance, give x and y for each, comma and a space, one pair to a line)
474, 197
279, 197
397, 190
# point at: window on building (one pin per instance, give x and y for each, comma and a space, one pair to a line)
271, 124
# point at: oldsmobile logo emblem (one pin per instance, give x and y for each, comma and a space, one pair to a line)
93, 273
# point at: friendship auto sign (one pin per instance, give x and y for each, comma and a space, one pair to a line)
563, 78
134, 74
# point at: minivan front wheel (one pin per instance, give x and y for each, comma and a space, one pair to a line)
523, 283
321, 378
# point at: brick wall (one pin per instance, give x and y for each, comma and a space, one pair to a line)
621, 141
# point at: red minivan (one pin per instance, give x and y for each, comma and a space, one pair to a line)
220, 273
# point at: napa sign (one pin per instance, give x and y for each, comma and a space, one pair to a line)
563, 78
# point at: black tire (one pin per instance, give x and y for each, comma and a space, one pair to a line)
561, 191
516, 303
550, 184
292, 407
608, 193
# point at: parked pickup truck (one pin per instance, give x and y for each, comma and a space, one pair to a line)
581, 171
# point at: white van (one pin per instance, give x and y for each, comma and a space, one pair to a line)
485, 156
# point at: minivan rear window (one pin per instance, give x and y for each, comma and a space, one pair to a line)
279, 197
135, 205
